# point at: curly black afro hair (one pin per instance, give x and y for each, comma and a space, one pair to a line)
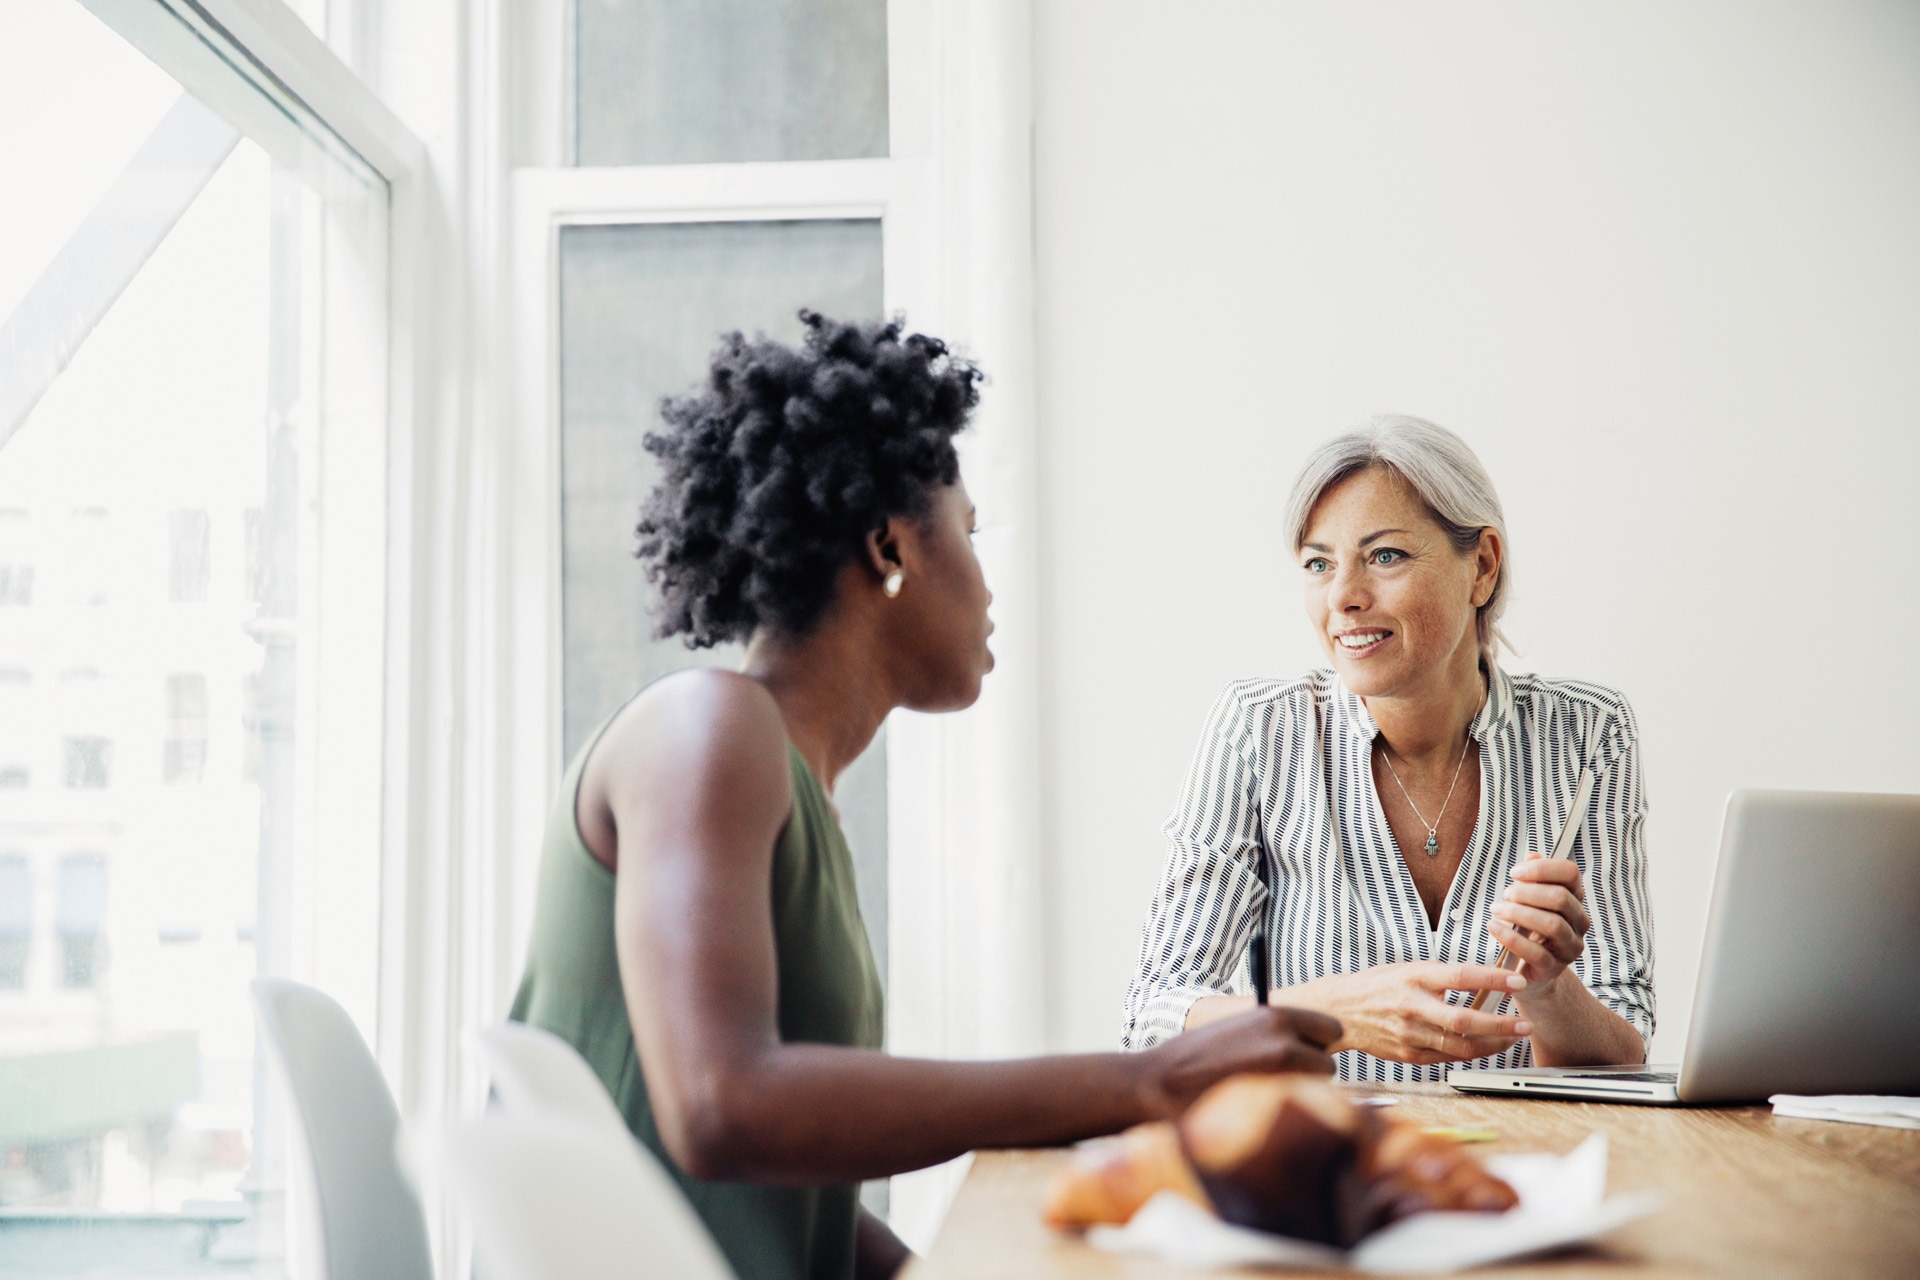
773, 474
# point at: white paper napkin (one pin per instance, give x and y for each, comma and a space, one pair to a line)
1562, 1202
1850, 1108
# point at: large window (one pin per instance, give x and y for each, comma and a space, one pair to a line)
192, 493
641, 309
730, 169
673, 82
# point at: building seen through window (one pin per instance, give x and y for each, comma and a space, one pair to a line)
185, 748
17, 728
16, 557
86, 555
188, 533
89, 762
81, 904
254, 560
16, 919
159, 498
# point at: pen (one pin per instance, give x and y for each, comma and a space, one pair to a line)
1576, 814
1257, 961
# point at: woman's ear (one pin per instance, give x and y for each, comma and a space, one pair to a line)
883, 549
1487, 558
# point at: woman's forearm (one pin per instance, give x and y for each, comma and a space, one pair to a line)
804, 1113
1571, 1028
810, 1113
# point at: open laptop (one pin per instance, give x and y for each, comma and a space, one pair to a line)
1810, 976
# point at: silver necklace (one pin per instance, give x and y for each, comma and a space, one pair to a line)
1433, 828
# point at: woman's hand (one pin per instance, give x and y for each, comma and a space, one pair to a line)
1542, 919
1261, 1039
1400, 1012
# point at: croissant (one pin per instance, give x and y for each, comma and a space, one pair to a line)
1282, 1153
1291, 1154
1405, 1171
1277, 1153
1108, 1179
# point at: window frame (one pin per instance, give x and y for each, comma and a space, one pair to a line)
284, 57
545, 203
967, 965
472, 712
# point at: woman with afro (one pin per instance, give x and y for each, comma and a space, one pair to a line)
696, 935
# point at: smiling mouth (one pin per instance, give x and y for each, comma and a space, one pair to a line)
1360, 643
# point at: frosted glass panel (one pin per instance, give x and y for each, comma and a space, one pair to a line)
707, 81
641, 310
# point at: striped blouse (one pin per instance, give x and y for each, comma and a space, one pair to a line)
1279, 825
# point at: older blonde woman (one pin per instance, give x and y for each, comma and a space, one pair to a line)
1381, 821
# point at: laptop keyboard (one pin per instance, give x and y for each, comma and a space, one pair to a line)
1651, 1077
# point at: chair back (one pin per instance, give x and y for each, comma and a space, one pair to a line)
536, 1072
550, 1198
371, 1226
555, 1181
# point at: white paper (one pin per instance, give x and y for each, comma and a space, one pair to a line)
1562, 1202
1850, 1108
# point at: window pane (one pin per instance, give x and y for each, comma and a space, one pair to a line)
16, 557
81, 910
16, 919
89, 762
706, 81
188, 534
185, 758
190, 321
641, 310
18, 715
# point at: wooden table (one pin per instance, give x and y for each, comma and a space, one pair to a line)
1746, 1195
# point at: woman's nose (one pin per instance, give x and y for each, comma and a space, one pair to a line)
1349, 591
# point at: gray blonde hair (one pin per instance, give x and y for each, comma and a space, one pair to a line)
1438, 466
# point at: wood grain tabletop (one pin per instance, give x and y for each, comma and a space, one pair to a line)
1745, 1195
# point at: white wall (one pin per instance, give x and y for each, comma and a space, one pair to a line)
1659, 264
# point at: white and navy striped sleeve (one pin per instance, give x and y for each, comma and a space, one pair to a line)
1617, 961
1195, 938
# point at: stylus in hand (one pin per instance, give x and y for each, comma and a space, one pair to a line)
1576, 814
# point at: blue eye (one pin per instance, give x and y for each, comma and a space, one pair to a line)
1316, 565
1387, 555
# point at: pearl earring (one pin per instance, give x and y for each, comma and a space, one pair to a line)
893, 583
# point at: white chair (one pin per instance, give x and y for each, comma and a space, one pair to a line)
549, 1198
371, 1227
556, 1185
536, 1072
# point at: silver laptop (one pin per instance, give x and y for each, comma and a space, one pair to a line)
1810, 976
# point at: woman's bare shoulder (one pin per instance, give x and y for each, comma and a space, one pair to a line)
697, 736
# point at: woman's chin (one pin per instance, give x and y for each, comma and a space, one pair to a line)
957, 695
1365, 677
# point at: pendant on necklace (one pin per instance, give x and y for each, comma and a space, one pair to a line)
1433, 844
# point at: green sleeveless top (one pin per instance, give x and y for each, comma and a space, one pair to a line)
829, 994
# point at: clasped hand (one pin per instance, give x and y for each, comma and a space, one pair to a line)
1400, 1011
